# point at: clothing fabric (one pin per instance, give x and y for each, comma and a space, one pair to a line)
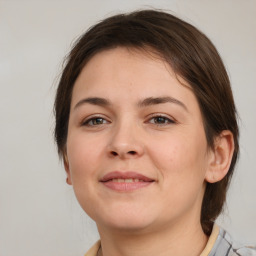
94, 250
220, 243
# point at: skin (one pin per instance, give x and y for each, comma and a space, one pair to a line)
170, 149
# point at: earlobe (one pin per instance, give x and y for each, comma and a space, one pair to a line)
66, 165
221, 157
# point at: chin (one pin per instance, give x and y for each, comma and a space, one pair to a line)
126, 222
129, 227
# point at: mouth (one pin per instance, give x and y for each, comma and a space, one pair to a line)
125, 181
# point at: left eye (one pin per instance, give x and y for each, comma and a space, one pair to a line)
95, 121
161, 120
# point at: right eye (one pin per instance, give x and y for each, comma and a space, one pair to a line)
95, 121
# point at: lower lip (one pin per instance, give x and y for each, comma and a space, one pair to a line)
126, 186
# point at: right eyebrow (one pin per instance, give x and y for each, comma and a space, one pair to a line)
161, 100
94, 101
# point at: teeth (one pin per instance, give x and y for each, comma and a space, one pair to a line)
126, 180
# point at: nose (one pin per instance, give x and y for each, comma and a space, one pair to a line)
126, 142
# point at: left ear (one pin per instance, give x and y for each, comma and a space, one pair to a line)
66, 165
221, 157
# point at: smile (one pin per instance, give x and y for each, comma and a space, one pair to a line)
125, 181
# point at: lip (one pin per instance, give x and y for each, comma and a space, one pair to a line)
125, 175
110, 180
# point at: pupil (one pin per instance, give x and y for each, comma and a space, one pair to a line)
160, 119
98, 121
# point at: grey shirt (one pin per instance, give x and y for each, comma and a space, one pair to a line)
224, 246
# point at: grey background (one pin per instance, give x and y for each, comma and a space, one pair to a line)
39, 214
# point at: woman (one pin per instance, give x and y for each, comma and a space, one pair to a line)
146, 125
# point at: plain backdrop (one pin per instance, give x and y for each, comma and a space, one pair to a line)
39, 214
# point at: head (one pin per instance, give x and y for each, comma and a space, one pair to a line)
193, 59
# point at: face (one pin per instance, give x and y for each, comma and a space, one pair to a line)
136, 150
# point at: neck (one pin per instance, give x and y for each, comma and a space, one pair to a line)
179, 240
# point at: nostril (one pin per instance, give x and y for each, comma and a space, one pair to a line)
129, 152
132, 152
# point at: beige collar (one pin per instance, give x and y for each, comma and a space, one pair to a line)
211, 241
93, 251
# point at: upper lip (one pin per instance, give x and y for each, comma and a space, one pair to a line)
125, 175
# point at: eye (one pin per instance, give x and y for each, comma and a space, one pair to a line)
95, 121
161, 120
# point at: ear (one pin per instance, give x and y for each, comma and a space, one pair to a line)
220, 157
66, 165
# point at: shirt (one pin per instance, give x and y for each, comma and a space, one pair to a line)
219, 243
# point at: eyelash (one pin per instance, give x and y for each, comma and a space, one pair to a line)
164, 118
87, 121
169, 120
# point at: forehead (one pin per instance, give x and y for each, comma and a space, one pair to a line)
117, 68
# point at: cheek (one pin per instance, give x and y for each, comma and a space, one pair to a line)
83, 154
181, 158
84, 159
181, 164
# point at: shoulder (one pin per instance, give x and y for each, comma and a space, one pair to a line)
226, 246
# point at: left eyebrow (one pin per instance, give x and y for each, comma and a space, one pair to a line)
160, 100
94, 101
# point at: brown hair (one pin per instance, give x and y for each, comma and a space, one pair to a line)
191, 55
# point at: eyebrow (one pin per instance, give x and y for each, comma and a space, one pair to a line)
142, 103
160, 100
94, 101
